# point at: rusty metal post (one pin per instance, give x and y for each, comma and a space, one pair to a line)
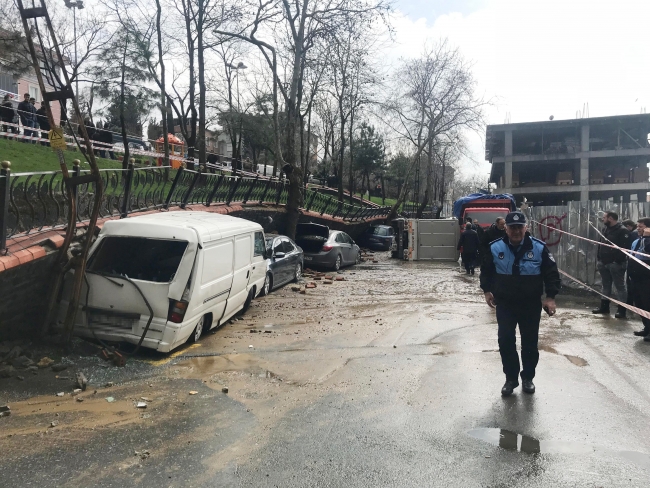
5, 186
186, 198
128, 181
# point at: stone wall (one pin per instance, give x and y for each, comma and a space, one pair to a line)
23, 290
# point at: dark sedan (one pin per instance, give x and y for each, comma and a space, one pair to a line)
378, 237
326, 248
284, 264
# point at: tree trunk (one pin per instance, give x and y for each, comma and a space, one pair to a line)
191, 134
342, 151
163, 94
127, 153
350, 129
383, 190
201, 69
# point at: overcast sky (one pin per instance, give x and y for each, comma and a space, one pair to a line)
537, 58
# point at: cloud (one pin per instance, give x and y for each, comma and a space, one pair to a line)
537, 58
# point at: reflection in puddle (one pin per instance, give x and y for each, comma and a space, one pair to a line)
511, 441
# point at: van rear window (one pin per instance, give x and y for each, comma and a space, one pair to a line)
138, 258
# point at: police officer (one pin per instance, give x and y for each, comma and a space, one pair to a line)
514, 274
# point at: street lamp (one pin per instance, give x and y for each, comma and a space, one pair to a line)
78, 5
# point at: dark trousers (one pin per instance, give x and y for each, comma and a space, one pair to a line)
469, 260
527, 315
641, 294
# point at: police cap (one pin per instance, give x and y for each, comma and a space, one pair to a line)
515, 218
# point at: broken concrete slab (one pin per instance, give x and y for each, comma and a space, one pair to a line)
45, 362
58, 367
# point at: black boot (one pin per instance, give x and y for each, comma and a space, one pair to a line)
642, 333
604, 307
620, 313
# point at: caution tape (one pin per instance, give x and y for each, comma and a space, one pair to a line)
632, 308
591, 240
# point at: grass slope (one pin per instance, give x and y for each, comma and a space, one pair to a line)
31, 157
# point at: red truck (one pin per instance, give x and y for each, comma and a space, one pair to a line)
483, 207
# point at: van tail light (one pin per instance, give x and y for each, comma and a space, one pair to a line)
177, 311
327, 248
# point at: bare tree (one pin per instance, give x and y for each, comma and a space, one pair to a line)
435, 101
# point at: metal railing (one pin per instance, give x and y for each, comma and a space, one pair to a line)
35, 202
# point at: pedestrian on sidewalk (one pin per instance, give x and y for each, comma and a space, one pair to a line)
43, 123
612, 263
468, 244
7, 114
640, 275
515, 273
27, 113
634, 235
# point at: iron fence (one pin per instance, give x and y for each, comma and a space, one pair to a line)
33, 202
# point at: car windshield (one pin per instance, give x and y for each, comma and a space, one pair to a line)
138, 258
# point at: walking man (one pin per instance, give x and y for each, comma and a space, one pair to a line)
514, 274
612, 263
640, 275
469, 243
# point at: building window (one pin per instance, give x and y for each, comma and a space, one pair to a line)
34, 92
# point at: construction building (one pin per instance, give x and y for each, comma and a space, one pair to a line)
556, 161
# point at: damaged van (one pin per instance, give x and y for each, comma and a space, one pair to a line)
166, 278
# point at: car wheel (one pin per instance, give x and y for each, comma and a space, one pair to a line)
358, 260
198, 330
268, 284
337, 263
298, 274
249, 299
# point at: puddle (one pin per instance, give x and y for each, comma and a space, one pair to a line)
577, 360
511, 441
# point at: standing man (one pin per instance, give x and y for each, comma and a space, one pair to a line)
612, 263
514, 274
7, 113
43, 122
640, 275
496, 231
27, 113
469, 243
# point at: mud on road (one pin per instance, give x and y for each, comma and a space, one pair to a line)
239, 408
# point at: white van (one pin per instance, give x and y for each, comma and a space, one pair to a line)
188, 271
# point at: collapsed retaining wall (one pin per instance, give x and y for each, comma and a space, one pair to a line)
25, 273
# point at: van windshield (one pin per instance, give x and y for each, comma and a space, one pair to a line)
138, 258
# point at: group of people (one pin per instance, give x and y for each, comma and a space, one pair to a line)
100, 134
517, 269
474, 242
27, 114
621, 271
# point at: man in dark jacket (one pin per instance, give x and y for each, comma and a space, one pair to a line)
640, 275
518, 269
468, 244
612, 263
27, 113
43, 122
7, 113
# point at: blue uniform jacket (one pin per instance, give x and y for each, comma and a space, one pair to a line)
635, 270
521, 274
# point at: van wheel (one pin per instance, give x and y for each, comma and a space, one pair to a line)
268, 284
298, 274
198, 330
249, 299
337, 263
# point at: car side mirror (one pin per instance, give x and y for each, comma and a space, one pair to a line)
279, 255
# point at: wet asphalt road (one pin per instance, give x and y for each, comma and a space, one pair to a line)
390, 378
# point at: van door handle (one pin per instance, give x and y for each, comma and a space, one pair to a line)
248, 274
